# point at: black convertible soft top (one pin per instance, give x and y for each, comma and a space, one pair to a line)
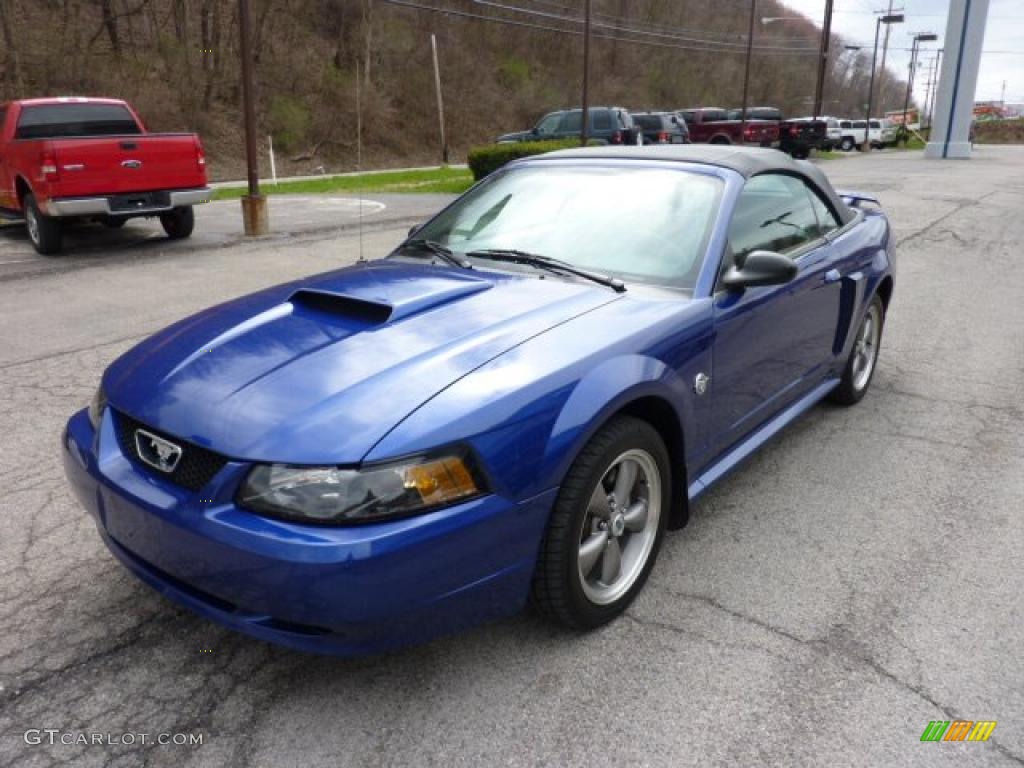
746, 161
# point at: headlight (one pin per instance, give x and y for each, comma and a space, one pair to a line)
335, 495
96, 406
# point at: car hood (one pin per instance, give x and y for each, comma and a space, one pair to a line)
319, 370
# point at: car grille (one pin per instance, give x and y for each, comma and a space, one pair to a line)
196, 467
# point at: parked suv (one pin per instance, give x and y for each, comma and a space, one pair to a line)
661, 128
608, 125
883, 133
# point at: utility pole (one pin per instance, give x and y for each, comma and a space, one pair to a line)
885, 52
254, 205
935, 88
440, 102
925, 37
585, 116
929, 81
746, 73
826, 34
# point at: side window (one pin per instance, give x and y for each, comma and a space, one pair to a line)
773, 213
827, 220
602, 120
572, 122
689, 116
549, 124
858, 123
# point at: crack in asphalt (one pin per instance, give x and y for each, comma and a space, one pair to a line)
820, 646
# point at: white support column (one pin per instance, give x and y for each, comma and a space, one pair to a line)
965, 33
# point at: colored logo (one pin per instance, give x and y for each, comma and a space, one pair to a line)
958, 730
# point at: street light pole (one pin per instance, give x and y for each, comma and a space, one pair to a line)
585, 116
254, 205
895, 18
922, 38
746, 73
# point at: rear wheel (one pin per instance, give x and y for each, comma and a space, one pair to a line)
178, 223
43, 231
846, 144
606, 527
860, 368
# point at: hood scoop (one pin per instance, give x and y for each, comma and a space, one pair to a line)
386, 306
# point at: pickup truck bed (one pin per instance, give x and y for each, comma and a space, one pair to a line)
63, 158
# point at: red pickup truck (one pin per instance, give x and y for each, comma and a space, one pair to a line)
93, 158
711, 125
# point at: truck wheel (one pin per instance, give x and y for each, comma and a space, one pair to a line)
720, 140
43, 231
846, 144
178, 224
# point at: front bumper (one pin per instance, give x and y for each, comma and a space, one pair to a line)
101, 206
343, 591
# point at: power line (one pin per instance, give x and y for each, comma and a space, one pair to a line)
597, 35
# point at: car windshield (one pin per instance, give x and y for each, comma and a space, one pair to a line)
640, 224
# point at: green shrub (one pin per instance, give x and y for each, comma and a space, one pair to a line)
486, 160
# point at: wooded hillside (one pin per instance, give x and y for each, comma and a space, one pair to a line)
177, 61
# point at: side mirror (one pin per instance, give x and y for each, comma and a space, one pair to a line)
760, 268
535, 131
412, 229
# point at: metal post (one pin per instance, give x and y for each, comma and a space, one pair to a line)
359, 121
254, 206
273, 164
585, 116
746, 73
826, 33
440, 102
871, 89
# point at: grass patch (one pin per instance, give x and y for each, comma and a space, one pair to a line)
433, 180
820, 154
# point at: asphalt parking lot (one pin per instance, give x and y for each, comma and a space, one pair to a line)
861, 576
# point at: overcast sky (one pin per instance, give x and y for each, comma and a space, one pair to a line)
855, 20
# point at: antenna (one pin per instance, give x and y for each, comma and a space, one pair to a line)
359, 157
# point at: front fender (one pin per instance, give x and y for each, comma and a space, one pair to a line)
605, 391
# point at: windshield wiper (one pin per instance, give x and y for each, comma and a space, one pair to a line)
442, 252
547, 262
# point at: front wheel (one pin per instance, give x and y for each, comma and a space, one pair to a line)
178, 223
44, 232
606, 526
863, 357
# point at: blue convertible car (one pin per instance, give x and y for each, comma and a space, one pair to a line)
514, 405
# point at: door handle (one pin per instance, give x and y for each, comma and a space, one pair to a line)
832, 276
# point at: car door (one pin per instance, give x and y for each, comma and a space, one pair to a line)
772, 343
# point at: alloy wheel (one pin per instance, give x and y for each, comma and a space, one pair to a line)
865, 351
620, 527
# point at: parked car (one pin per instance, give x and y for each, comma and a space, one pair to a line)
883, 133
799, 136
757, 113
78, 158
517, 402
712, 125
661, 127
609, 125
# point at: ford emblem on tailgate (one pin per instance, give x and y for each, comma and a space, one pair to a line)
157, 452
131, 163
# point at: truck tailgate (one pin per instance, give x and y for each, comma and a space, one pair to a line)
107, 165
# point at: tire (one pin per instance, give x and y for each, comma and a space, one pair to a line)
565, 589
720, 140
846, 144
179, 223
860, 367
44, 232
